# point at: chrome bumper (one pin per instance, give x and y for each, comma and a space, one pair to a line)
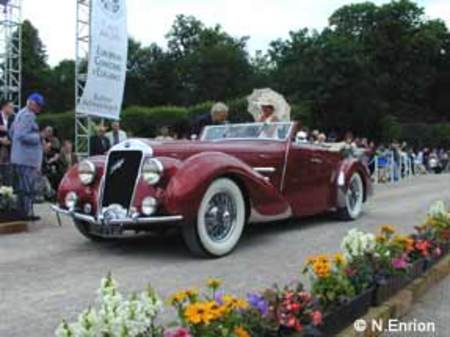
127, 221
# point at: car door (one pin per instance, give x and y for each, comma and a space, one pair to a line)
307, 180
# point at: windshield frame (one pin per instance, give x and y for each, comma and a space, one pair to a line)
288, 133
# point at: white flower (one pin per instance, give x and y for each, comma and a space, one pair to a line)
116, 316
6, 191
357, 243
438, 210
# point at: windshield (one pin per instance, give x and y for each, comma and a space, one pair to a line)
267, 131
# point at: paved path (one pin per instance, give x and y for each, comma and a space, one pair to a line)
53, 272
433, 307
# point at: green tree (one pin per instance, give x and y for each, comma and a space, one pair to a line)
210, 64
35, 70
151, 76
61, 96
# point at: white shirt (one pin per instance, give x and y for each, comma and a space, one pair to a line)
5, 120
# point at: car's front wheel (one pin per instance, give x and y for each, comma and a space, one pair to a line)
220, 220
354, 199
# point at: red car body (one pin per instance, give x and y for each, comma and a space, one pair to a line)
279, 179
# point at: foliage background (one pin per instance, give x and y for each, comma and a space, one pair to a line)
380, 71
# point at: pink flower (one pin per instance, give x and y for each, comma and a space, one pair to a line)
400, 262
437, 252
316, 317
178, 332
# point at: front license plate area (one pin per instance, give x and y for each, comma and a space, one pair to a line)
107, 230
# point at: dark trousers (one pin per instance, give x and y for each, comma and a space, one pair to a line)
24, 183
6, 175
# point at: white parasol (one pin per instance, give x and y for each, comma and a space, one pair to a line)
268, 96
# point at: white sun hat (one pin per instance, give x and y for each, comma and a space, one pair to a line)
267, 96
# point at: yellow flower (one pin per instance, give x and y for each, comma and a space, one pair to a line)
214, 283
241, 332
380, 239
339, 259
310, 260
193, 292
202, 312
233, 303
322, 269
387, 229
405, 241
178, 297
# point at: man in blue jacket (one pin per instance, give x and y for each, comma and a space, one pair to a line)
26, 151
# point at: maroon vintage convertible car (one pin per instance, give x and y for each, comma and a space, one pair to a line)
234, 175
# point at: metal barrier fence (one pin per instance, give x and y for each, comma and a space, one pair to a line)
386, 169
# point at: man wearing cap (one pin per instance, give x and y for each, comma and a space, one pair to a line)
26, 151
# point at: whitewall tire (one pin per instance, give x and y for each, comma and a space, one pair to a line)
354, 199
220, 220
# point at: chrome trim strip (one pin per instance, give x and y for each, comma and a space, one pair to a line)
256, 217
264, 169
127, 221
286, 158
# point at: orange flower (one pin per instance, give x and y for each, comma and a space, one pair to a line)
241, 332
387, 229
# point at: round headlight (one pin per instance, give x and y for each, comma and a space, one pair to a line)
149, 206
71, 200
86, 172
152, 171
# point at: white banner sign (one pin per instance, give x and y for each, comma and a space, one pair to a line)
103, 92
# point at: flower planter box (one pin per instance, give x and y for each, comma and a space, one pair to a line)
308, 331
386, 288
341, 317
417, 268
12, 222
13, 227
445, 248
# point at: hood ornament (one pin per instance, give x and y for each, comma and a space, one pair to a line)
116, 166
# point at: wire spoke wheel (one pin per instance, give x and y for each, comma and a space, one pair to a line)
220, 220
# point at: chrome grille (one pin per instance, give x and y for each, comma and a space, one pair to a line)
121, 175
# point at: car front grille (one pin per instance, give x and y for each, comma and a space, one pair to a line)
120, 178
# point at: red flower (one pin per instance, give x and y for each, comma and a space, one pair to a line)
423, 246
445, 234
316, 317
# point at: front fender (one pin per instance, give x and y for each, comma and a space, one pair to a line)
86, 194
346, 169
186, 188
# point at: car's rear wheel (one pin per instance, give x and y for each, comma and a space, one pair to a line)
84, 228
354, 199
220, 220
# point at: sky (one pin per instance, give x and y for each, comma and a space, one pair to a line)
149, 20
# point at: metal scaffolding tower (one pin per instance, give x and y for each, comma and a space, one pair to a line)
11, 51
83, 123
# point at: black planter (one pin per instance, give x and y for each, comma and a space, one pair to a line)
445, 248
308, 331
386, 288
11, 216
341, 317
417, 268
